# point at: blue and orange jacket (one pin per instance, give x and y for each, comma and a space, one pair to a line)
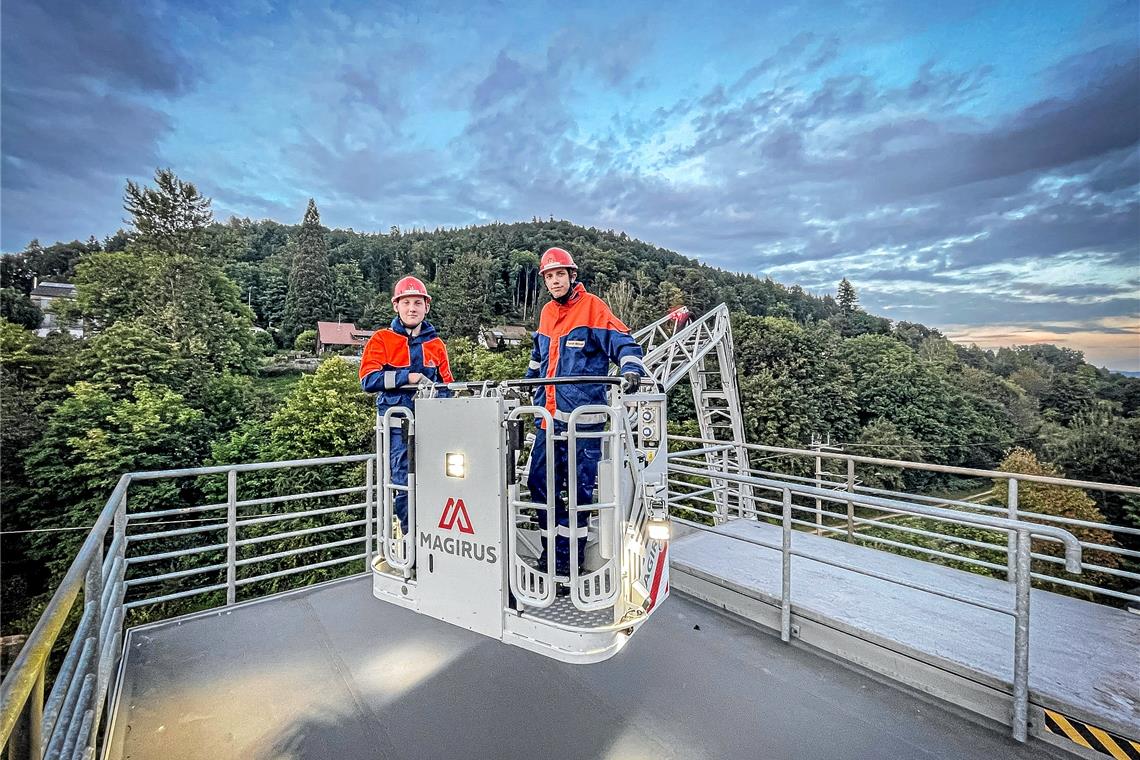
581, 337
392, 354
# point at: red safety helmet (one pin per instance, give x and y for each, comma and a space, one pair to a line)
409, 286
556, 258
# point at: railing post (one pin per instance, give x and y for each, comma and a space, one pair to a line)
786, 570
369, 513
818, 501
93, 594
231, 536
26, 740
850, 503
743, 491
1011, 539
1021, 638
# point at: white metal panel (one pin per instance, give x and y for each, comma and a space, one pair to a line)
460, 533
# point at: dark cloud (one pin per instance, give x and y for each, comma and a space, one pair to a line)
78, 109
62, 45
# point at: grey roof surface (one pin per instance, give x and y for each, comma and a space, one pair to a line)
332, 672
54, 290
1084, 657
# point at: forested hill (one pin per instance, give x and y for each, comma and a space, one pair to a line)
809, 365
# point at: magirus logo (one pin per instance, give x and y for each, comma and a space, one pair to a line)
455, 517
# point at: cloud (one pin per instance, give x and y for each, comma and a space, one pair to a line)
79, 114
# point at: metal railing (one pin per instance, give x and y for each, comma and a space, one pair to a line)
1022, 533
856, 516
67, 723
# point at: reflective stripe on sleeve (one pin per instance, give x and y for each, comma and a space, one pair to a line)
390, 379
590, 418
633, 360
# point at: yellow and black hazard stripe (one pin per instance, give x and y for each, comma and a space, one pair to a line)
1092, 737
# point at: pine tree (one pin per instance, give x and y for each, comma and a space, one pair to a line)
310, 279
847, 298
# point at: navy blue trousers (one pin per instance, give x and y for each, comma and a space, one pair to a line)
589, 451
398, 457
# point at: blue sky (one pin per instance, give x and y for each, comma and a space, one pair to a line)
973, 167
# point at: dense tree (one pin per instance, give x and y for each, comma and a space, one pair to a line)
1058, 501
169, 217
847, 298
460, 301
350, 293
19, 309
1100, 445
310, 280
326, 415
792, 385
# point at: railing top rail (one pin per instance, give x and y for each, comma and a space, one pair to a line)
997, 474
1072, 546
188, 472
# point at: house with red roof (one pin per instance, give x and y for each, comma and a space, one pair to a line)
334, 336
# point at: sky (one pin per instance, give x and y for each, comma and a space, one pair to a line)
973, 166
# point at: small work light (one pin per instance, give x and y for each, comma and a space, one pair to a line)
455, 465
658, 530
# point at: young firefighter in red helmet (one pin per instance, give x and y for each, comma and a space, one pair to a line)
577, 335
404, 353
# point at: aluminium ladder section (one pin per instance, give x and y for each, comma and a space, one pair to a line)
703, 351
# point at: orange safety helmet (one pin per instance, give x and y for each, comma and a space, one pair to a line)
556, 258
409, 286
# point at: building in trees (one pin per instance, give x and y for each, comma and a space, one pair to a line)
45, 295
337, 336
503, 336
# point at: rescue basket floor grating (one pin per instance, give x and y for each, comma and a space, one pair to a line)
563, 611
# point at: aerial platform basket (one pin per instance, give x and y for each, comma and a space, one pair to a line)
472, 553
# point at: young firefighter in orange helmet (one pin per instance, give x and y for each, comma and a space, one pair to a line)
404, 353
577, 335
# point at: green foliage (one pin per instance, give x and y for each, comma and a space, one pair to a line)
326, 415
885, 440
182, 301
791, 383
310, 280
264, 343
19, 309
471, 362
1101, 445
130, 352
19, 271
1058, 501
846, 297
306, 341
350, 293
894, 385
462, 297
169, 217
